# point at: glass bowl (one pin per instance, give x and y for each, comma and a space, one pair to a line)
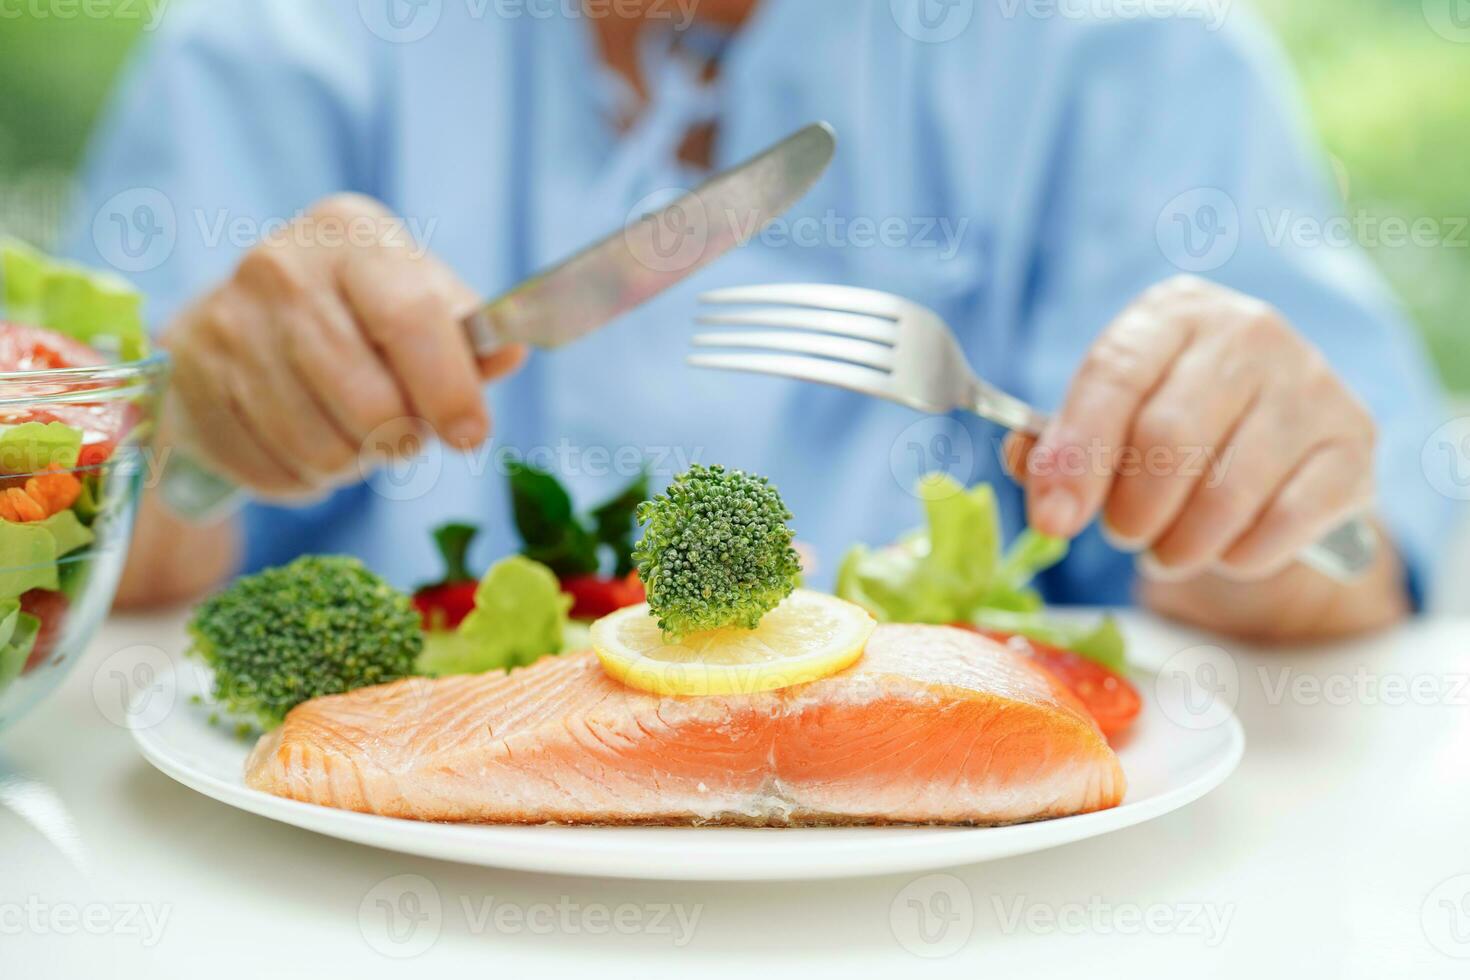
66, 512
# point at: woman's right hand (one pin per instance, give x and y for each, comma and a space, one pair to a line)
335, 345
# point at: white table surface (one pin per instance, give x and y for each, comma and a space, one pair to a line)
1341, 847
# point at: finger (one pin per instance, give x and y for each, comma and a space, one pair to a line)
1070, 470
1330, 486
410, 310
216, 432
1286, 424
322, 344
1015, 450
286, 413
503, 362
1192, 411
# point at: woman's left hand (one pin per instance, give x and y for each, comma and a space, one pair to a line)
1208, 434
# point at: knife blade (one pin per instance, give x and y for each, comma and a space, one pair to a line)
657, 250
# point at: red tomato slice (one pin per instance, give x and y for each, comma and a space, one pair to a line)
50, 608
1111, 700
103, 424
595, 596
24, 348
444, 607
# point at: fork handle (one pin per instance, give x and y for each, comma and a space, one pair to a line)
1343, 553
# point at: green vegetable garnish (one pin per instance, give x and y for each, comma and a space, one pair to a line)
27, 558
953, 571
18, 631
100, 310
519, 617
33, 447
1100, 642
569, 544
320, 625
716, 551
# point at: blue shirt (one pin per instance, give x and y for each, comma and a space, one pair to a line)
1024, 176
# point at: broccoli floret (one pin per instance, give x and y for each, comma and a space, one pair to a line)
717, 551
320, 625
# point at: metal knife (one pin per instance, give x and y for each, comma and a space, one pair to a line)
599, 283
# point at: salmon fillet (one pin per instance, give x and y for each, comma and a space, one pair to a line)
931, 725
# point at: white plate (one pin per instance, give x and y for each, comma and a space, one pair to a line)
1168, 765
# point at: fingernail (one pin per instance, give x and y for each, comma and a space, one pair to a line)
466, 432
1150, 567
1056, 513
1119, 541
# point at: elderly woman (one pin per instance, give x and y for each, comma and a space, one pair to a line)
330, 185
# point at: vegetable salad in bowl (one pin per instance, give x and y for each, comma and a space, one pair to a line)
78, 396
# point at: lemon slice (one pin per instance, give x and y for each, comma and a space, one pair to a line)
808, 636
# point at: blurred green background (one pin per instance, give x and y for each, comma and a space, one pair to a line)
1389, 93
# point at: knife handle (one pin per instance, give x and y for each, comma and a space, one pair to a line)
484, 334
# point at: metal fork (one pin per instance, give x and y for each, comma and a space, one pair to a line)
884, 345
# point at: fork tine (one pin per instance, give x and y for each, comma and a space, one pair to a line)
883, 331
849, 376
837, 348
849, 299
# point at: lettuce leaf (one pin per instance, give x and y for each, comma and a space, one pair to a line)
18, 632
953, 571
27, 558
68, 530
1100, 642
32, 447
100, 310
520, 616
